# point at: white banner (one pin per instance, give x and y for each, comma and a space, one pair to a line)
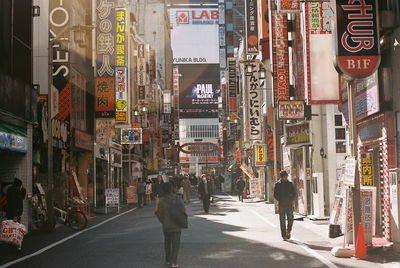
253, 84
192, 27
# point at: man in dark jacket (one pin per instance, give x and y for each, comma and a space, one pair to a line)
285, 194
171, 230
205, 191
240, 184
15, 197
141, 192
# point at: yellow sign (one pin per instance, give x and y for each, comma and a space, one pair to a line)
260, 151
367, 170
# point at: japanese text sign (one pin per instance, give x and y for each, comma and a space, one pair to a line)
280, 56
253, 85
260, 153
121, 100
357, 37
367, 170
105, 97
251, 27
288, 6
291, 109
297, 134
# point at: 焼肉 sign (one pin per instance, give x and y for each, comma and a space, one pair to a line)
357, 40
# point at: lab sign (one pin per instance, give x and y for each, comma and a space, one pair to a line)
356, 36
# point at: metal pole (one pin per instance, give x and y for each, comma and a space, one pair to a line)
353, 137
50, 181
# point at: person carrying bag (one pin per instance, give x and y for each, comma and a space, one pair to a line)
172, 214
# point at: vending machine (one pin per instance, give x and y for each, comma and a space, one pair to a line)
394, 204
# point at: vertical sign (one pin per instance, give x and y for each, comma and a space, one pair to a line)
254, 101
251, 27
141, 68
367, 170
280, 56
357, 40
105, 55
367, 213
350, 171
270, 144
121, 63
260, 152
232, 85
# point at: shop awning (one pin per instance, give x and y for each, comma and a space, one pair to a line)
12, 129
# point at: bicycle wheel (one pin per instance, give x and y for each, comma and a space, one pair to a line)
77, 220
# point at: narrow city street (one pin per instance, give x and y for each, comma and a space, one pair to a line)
233, 234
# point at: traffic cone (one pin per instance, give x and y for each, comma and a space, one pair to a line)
361, 249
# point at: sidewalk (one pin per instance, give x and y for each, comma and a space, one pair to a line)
36, 240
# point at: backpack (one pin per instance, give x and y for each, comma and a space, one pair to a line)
3, 202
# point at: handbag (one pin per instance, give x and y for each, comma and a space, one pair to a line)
179, 217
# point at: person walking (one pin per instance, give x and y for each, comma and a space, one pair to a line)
171, 230
15, 197
285, 194
187, 187
205, 191
240, 185
141, 192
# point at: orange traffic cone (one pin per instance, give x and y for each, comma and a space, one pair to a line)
361, 249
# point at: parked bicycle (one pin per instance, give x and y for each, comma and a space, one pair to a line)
72, 217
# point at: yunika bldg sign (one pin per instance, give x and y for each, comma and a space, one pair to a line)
357, 37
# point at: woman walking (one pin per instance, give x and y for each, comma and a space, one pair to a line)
170, 202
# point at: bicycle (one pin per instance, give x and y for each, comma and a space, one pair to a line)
72, 217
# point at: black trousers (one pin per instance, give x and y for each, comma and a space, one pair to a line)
141, 200
240, 194
206, 202
286, 212
172, 242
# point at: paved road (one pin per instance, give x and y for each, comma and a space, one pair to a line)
234, 234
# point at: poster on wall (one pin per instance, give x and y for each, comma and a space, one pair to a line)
193, 26
199, 90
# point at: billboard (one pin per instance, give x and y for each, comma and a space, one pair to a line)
251, 27
254, 114
199, 90
195, 28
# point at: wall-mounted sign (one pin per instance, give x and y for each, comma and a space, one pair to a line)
270, 144
280, 56
131, 136
232, 86
251, 27
288, 6
121, 95
367, 170
105, 97
357, 37
253, 85
291, 109
298, 134
105, 129
13, 142
350, 171
260, 154
83, 140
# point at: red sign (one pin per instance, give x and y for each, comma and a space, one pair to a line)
83, 140
357, 37
280, 56
270, 144
105, 97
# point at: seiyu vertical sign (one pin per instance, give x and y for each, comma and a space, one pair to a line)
254, 100
357, 40
251, 27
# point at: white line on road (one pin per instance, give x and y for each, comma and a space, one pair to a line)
263, 218
8, 264
298, 242
315, 254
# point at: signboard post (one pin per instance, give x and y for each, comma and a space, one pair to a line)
357, 55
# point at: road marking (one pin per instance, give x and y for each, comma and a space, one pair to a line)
263, 218
315, 254
298, 242
8, 264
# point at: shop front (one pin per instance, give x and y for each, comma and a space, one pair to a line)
15, 160
102, 161
296, 155
115, 180
377, 156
